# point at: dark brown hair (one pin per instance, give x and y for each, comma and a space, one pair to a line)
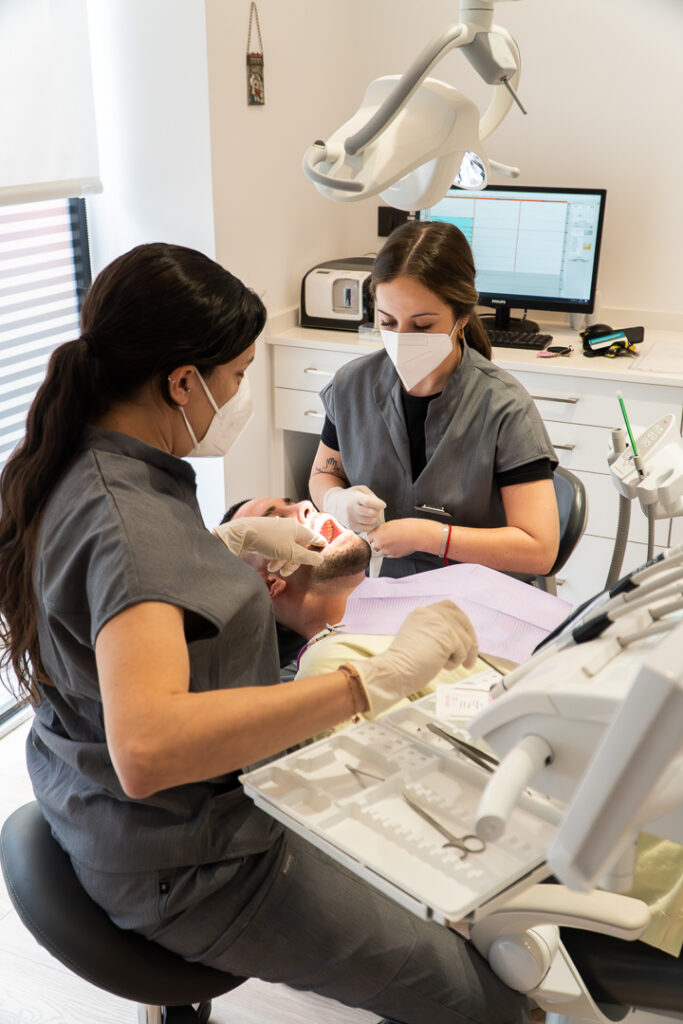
437, 255
151, 310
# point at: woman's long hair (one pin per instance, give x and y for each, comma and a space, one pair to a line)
151, 310
438, 255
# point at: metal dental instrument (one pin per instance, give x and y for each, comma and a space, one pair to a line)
480, 757
466, 844
361, 775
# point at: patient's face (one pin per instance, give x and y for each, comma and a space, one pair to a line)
286, 508
346, 553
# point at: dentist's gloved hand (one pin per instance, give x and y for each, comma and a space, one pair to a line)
286, 542
434, 637
356, 507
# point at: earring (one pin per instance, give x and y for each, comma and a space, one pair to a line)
461, 334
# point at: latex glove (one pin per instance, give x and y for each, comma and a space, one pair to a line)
286, 542
355, 507
434, 637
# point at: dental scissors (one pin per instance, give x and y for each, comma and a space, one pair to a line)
466, 844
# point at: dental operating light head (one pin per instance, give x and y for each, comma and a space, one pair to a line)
412, 136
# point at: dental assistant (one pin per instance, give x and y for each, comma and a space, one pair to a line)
148, 650
429, 448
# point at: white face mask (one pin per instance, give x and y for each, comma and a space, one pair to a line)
226, 425
415, 354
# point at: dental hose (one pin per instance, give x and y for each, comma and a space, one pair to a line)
623, 526
623, 521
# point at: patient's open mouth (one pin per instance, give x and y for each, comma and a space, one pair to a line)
326, 527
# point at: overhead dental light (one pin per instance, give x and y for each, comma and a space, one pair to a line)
413, 136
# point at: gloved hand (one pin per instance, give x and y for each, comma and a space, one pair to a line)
434, 637
285, 542
356, 507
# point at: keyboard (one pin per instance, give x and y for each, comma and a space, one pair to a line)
518, 339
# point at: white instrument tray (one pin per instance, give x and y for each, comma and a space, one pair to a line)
367, 825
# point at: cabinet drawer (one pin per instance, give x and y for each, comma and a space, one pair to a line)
578, 446
298, 410
307, 369
603, 512
594, 401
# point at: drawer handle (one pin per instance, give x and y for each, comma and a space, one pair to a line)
312, 371
564, 447
554, 398
560, 581
313, 412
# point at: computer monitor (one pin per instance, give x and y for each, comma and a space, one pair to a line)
534, 248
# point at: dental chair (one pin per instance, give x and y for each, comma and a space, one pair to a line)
572, 506
595, 721
51, 903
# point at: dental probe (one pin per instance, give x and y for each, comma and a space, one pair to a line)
629, 582
616, 608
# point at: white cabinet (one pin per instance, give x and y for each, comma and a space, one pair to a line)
576, 397
579, 413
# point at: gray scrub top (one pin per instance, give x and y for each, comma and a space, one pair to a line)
123, 526
482, 423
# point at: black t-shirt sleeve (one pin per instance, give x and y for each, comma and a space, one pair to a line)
539, 469
329, 435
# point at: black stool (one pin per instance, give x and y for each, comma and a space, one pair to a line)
626, 976
58, 912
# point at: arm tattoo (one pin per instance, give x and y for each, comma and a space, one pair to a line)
333, 468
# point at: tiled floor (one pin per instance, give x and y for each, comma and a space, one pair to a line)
36, 989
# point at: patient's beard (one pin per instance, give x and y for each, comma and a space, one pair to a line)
352, 559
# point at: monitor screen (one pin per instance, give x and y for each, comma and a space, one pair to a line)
534, 248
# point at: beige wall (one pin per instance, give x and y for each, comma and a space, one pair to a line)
271, 224
601, 82
183, 156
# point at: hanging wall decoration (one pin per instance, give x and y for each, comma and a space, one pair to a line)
255, 92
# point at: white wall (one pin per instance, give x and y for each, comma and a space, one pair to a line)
601, 83
150, 80
271, 223
184, 157
151, 93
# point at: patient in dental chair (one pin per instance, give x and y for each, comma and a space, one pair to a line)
311, 600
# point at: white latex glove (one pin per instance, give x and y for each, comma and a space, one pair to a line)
286, 542
430, 639
356, 507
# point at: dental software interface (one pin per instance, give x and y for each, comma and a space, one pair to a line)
542, 244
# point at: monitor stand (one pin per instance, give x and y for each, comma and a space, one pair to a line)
502, 321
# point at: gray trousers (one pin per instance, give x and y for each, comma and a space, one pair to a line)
315, 926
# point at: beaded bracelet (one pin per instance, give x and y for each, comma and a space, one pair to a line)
351, 678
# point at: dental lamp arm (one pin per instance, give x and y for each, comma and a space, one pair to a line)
605, 912
492, 52
410, 80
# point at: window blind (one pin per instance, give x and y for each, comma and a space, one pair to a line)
48, 143
44, 274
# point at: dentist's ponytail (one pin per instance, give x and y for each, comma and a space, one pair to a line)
153, 309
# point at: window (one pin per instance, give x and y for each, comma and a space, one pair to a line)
44, 275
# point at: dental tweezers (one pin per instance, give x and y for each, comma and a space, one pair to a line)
480, 757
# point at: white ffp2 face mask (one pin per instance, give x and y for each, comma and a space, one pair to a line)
415, 354
227, 424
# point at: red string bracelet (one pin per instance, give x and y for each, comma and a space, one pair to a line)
448, 541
